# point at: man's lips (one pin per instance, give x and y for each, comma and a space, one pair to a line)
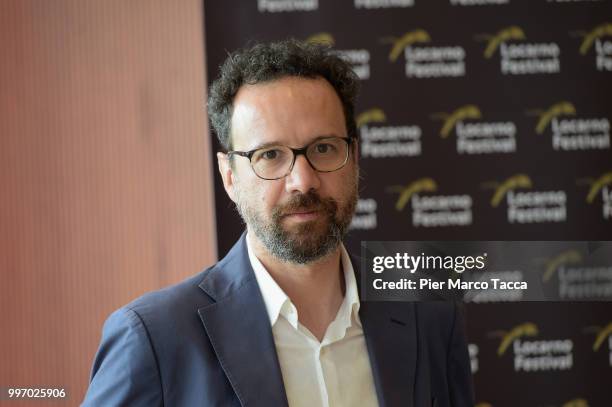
303, 214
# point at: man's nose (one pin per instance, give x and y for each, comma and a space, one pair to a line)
302, 177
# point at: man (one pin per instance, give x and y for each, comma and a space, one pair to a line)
278, 321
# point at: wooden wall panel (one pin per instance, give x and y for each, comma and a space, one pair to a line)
105, 176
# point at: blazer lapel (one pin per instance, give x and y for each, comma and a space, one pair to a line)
239, 330
391, 338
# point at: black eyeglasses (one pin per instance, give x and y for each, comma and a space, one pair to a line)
325, 154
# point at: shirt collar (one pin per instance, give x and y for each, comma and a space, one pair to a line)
278, 303
349, 310
274, 297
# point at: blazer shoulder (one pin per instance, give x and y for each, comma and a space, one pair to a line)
146, 341
183, 296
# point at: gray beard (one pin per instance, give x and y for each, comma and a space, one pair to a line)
303, 245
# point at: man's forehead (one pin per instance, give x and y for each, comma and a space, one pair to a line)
270, 95
269, 112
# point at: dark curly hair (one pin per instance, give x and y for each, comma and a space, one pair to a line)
271, 61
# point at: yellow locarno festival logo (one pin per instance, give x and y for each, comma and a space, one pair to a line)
579, 402
450, 120
556, 110
596, 39
569, 134
321, 38
424, 60
601, 185
399, 44
510, 184
519, 57
475, 136
602, 334
513, 32
407, 191
597, 185
591, 37
568, 257
530, 355
375, 115
507, 337
428, 210
527, 206
576, 278
379, 140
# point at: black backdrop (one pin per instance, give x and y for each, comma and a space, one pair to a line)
479, 120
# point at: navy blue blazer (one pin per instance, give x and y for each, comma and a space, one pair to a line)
208, 342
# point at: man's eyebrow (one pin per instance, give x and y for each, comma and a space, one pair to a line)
268, 144
278, 143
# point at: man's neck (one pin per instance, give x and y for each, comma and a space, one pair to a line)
316, 289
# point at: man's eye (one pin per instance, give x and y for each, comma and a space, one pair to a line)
270, 154
323, 148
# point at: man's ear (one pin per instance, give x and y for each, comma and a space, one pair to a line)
227, 174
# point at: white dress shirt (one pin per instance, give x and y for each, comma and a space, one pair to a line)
335, 372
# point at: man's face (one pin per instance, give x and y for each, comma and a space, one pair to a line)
303, 216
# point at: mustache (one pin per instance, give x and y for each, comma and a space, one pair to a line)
310, 201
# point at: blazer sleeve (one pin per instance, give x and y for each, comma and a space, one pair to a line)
459, 369
125, 371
